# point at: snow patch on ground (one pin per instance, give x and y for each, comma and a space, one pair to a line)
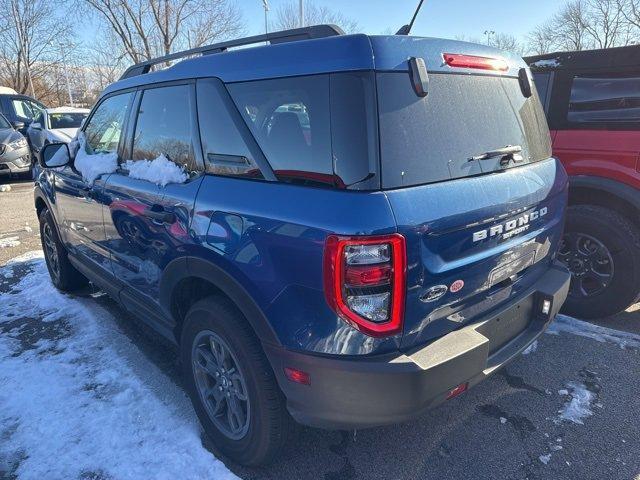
564, 324
531, 348
545, 458
92, 165
160, 171
79, 400
9, 242
5, 188
579, 407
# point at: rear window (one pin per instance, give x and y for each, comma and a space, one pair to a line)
605, 99
431, 139
315, 130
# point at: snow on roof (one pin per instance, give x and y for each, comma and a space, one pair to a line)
7, 91
67, 110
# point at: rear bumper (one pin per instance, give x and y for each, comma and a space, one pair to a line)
348, 393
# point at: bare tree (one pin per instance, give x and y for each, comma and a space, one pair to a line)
541, 40
149, 28
29, 29
605, 22
582, 24
287, 17
507, 42
631, 13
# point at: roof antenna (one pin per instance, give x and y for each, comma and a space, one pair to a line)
406, 29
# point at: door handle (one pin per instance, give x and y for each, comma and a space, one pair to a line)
157, 213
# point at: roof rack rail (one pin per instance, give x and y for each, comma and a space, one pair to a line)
284, 36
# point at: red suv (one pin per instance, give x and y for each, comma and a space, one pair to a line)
592, 102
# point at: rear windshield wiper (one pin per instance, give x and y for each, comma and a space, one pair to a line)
509, 150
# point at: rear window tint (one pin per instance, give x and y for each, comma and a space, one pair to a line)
605, 99
315, 130
431, 139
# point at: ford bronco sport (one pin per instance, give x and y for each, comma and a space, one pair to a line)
366, 227
592, 101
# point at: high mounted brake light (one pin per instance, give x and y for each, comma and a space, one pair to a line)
364, 281
471, 61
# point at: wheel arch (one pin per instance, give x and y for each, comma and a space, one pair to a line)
604, 192
187, 280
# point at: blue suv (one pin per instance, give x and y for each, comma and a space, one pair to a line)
362, 228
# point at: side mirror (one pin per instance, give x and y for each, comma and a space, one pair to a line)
55, 155
36, 126
18, 125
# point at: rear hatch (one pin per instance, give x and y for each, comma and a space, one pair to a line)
480, 227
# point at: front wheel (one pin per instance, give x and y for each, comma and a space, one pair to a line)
64, 275
232, 387
601, 248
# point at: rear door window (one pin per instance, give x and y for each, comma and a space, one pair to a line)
164, 126
605, 99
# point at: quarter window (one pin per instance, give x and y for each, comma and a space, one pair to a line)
290, 120
164, 126
605, 99
105, 126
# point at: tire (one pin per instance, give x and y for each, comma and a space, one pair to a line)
268, 424
64, 275
614, 243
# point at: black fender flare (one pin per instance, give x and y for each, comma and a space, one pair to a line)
39, 194
195, 267
618, 189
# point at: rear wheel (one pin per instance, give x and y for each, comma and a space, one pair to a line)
601, 248
231, 384
64, 275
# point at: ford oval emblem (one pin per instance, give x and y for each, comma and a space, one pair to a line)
434, 293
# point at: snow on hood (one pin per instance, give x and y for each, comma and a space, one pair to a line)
64, 134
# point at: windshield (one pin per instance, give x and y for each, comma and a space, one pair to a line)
66, 120
3, 122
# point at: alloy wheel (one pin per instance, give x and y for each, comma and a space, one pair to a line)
590, 263
221, 385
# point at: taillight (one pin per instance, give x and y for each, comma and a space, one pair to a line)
471, 61
364, 281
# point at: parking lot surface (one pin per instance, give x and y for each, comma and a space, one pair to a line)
89, 393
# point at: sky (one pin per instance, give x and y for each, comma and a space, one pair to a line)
438, 18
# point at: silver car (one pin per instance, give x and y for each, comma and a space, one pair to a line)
15, 158
55, 125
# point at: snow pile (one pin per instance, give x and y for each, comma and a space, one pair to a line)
9, 242
79, 400
92, 165
160, 171
531, 348
5, 188
579, 407
566, 324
